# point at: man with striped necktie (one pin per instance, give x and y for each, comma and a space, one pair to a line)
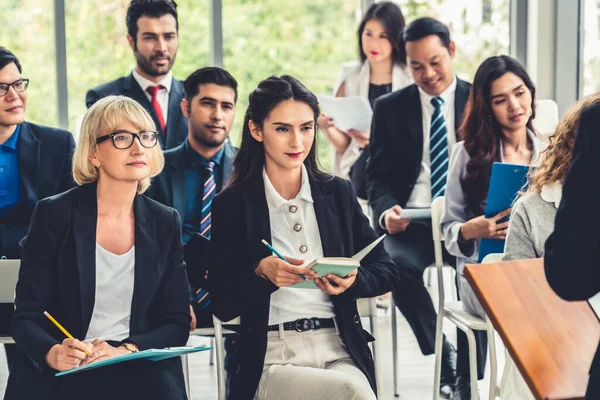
411, 133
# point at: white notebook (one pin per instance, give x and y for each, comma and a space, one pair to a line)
595, 303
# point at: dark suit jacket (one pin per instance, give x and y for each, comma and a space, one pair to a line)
572, 257
45, 162
397, 145
169, 188
240, 218
58, 271
177, 125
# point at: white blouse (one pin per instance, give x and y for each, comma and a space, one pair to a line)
114, 293
295, 233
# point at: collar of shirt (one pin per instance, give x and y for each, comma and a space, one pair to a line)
274, 199
144, 83
536, 148
11, 143
447, 95
193, 159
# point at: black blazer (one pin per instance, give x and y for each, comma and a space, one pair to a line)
58, 275
45, 162
397, 145
177, 125
572, 257
169, 187
240, 218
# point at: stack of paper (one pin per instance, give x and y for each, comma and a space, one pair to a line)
348, 112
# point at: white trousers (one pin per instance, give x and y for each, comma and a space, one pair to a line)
311, 365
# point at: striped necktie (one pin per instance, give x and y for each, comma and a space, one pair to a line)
438, 149
208, 193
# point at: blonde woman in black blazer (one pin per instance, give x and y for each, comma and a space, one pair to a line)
63, 273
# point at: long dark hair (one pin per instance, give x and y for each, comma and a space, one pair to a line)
480, 130
391, 18
250, 160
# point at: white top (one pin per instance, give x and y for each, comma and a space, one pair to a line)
289, 304
420, 196
114, 292
355, 75
163, 94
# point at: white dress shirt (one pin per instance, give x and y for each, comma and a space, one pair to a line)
162, 95
114, 292
420, 196
295, 233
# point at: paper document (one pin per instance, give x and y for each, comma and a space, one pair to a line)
348, 112
595, 303
416, 213
150, 354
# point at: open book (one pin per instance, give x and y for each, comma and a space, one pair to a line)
150, 354
339, 266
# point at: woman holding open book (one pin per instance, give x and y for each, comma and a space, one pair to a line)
497, 127
381, 69
300, 343
107, 263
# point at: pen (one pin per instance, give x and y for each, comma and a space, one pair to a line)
279, 255
59, 326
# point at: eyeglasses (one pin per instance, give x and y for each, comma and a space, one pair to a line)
124, 140
19, 86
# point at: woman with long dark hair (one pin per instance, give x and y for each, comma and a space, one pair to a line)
497, 127
294, 342
380, 70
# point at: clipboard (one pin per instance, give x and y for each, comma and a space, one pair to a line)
505, 183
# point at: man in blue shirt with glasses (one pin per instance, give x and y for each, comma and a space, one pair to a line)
35, 162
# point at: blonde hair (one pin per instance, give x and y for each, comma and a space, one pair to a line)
557, 157
102, 118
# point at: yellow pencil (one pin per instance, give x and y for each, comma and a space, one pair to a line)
59, 326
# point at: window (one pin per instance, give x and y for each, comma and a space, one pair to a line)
28, 31
590, 55
98, 51
308, 39
479, 28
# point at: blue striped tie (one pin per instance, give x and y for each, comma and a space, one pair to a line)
208, 194
438, 149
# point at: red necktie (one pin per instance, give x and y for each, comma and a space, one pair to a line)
153, 90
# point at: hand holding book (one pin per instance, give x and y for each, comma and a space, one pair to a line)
284, 273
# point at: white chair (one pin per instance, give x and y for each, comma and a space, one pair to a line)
546, 118
368, 308
9, 273
455, 312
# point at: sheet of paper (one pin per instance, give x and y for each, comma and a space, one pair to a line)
595, 303
348, 112
416, 213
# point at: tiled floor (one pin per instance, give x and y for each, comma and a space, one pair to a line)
415, 375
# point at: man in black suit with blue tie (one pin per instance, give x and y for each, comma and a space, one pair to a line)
412, 132
35, 162
153, 30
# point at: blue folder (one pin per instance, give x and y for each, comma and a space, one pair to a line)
505, 183
151, 355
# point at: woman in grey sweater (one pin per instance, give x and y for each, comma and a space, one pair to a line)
532, 219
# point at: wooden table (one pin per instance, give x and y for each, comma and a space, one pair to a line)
552, 341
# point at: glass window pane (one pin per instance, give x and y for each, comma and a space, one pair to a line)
479, 28
98, 51
28, 31
591, 47
308, 39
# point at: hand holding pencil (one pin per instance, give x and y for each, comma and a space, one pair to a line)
283, 271
70, 353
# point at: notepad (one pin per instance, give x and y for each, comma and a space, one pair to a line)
505, 183
352, 112
338, 266
150, 354
595, 304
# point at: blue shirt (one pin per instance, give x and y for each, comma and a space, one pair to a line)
10, 178
195, 175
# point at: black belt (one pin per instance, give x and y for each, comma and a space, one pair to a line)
304, 324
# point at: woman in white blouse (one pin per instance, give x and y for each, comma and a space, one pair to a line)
381, 69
